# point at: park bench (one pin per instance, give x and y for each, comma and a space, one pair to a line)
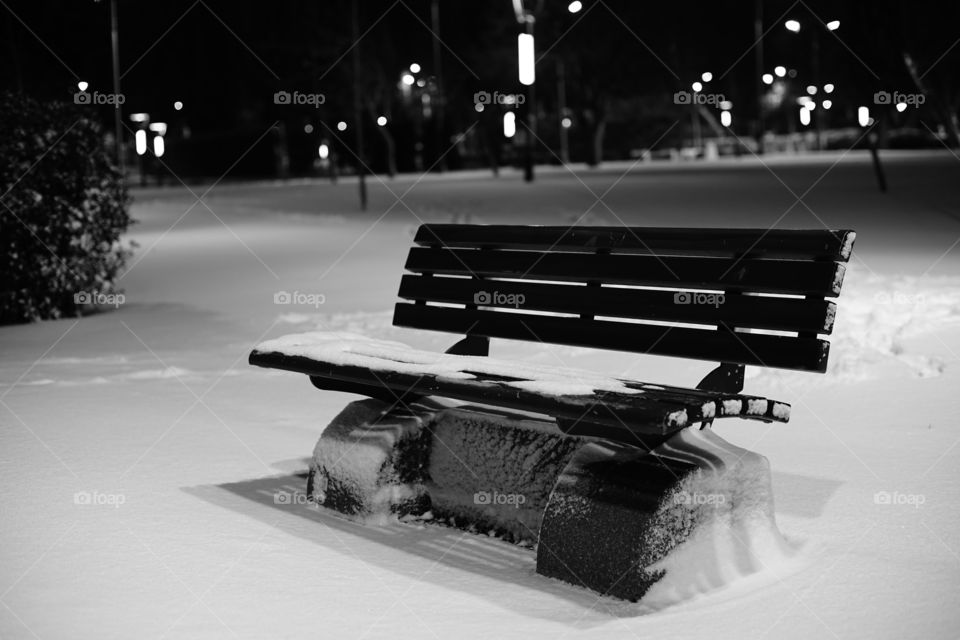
736, 297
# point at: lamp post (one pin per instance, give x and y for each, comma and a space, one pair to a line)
526, 70
794, 26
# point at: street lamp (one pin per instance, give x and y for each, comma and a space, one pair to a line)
575, 6
794, 26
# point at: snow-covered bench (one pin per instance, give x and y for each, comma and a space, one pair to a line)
737, 297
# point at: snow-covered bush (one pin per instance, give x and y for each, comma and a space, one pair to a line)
63, 207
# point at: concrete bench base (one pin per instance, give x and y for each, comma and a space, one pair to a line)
607, 517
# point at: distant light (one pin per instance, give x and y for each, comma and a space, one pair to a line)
478, 107
767, 78
82, 85
697, 86
566, 123
178, 105
308, 128
341, 126
810, 105
828, 88
509, 124
408, 79
863, 116
833, 25
707, 76
726, 105
160, 128
382, 121
803, 100
421, 82
726, 118
780, 70
901, 106
158, 146
812, 90
575, 6
141, 139
826, 104
139, 117
804, 116
525, 59
324, 152
414, 68
792, 25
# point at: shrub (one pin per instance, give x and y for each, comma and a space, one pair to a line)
63, 208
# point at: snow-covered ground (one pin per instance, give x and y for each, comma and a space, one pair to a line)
151, 480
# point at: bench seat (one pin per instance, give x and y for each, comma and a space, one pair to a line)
628, 411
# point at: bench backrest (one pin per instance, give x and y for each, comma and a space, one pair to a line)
742, 296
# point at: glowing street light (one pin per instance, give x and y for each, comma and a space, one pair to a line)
726, 118
414, 68
792, 25
525, 57
767, 78
140, 137
863, 116
158, 146
707, 76
566, 123
382, 121
178, 105
341, 126
826, 104
575, 6
697, 86
82, 85
780, 71
901, 107
833, 25
812, 90
139, 117
804, 116
408, 79
828, 88
323, 152
160, 128
509, 124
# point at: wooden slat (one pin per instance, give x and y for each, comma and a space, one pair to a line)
773, 313
766, 243
765, 276
805, 354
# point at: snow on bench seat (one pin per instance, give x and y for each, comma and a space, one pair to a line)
564, 393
